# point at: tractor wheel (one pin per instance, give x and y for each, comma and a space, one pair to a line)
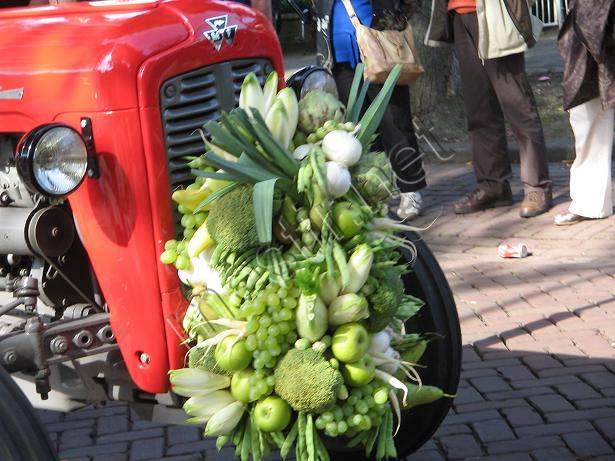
442, 358
22, 435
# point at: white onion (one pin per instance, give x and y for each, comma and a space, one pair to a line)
342, 147
380, 342
338, 179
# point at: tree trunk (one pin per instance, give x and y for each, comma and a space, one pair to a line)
431, 89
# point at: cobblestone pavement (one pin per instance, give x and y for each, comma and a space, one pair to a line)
538, 379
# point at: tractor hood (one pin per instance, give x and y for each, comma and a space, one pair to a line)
87, 57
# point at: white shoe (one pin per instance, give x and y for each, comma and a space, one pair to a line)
410, 205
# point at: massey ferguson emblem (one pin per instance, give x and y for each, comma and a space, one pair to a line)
220, 30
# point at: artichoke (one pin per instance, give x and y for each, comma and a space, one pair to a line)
317, 107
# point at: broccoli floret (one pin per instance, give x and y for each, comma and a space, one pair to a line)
231, 220
201, 357
307, 381
385, 301
374, 177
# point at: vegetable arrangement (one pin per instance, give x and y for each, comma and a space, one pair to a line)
297, 315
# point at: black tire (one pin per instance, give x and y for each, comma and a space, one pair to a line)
22, 436
442, 358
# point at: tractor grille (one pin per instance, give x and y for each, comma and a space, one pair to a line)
190, 100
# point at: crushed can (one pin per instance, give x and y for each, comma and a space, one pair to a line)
510, 250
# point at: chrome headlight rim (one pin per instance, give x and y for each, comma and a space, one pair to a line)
298, 80
24, 160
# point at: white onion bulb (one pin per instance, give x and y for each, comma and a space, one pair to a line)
338, 179
342, 147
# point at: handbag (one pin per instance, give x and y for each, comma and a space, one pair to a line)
381, 50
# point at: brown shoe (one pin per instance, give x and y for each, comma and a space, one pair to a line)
480, 200
536, 203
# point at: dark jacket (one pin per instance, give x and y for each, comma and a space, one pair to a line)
587, 45
387, 15
504, 27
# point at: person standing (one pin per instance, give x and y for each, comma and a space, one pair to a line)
490, 37
338, 51
587, 45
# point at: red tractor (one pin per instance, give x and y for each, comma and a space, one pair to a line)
99, 103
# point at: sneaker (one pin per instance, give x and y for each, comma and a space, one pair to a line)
410, 205
568, 219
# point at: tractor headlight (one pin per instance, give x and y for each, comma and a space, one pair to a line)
52, 160
312, 78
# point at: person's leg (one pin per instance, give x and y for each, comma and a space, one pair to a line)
397, 138
483, 113
343, 75
513, 90
590, 175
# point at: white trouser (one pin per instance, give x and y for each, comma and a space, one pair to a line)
590, 175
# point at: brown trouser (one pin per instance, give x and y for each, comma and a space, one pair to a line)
495, 90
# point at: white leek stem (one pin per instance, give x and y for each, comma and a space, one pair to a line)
393, 381
395, 404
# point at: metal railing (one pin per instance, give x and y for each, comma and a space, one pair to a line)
550, 12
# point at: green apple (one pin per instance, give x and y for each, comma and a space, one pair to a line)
350, 342
232, 355
272, 414
240, 384
348, 218
359, 373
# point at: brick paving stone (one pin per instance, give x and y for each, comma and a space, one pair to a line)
472, 417
129, 436
147, 449
191, 447
493, 430
453, 429
111, 425
551, 403
543, 382
183, 434
516, 373
553, 429
576, 415
192, 457
552, 454
431, 455
541, 362
577, 391
599, 380
489, 405
522, 416
528, 392
490, 384
111, 457
76, 438
460, 446
525, 445
93, 450
467, 395
587, 444
66, 425
607, 427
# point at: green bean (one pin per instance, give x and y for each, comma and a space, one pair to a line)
221, 440
414, 354
421, 395
216, 255
339, 255
309, 438
371, 440
382, 437
245, 443
289, 440
301, 448
320, 178
391, 450
261, 281
359, 438
253, 277
255, 442
242, 276
323, 453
